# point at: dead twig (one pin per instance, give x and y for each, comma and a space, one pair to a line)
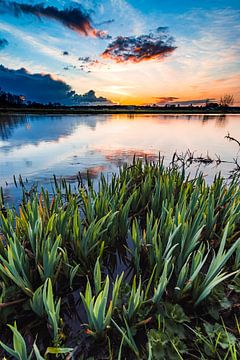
10, 303
230, 138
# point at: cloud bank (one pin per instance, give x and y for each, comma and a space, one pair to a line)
44, 88
153, 46
74, 18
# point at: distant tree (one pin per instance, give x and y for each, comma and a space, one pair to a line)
226, 100
212, 105
8, 99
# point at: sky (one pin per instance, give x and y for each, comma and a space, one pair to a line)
120, 51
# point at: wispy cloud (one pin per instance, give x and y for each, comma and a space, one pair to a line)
125, 11
63, 60
39, 45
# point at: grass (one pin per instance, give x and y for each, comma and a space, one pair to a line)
146, 266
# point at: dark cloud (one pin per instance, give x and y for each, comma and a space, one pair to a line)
84, 59
165, 99
194, 102
65, 53
106, 22
43, 88
87, 63
88, 60
162, 29
75, 18
3, 43
154, 46
69, 67
175, 101
90, 97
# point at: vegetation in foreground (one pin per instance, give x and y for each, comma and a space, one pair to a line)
146, 266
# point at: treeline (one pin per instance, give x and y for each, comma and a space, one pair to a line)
8, 99
11, 100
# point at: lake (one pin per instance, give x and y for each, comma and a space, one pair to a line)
38, 146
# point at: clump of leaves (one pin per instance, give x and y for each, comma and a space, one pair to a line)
19, 350
99, 315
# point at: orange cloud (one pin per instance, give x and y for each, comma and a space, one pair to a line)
140, 48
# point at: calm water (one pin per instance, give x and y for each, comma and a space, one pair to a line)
39, 146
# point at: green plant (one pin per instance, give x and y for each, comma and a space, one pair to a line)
51, 259
16, 265
163, 281
37, 303
127, 337
215, 274
135, 300
99, 315
52, 309
19, 350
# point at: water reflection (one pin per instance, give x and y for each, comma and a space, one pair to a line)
35, 128
221, 121
8, 123
38, 146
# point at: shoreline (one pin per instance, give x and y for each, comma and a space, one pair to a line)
108, 111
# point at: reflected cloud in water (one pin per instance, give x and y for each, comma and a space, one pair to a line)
38, 146
35, 128
9, 123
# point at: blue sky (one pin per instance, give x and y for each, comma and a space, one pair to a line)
176, 6
196, 57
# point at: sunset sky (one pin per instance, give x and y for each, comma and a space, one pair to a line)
126, 51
